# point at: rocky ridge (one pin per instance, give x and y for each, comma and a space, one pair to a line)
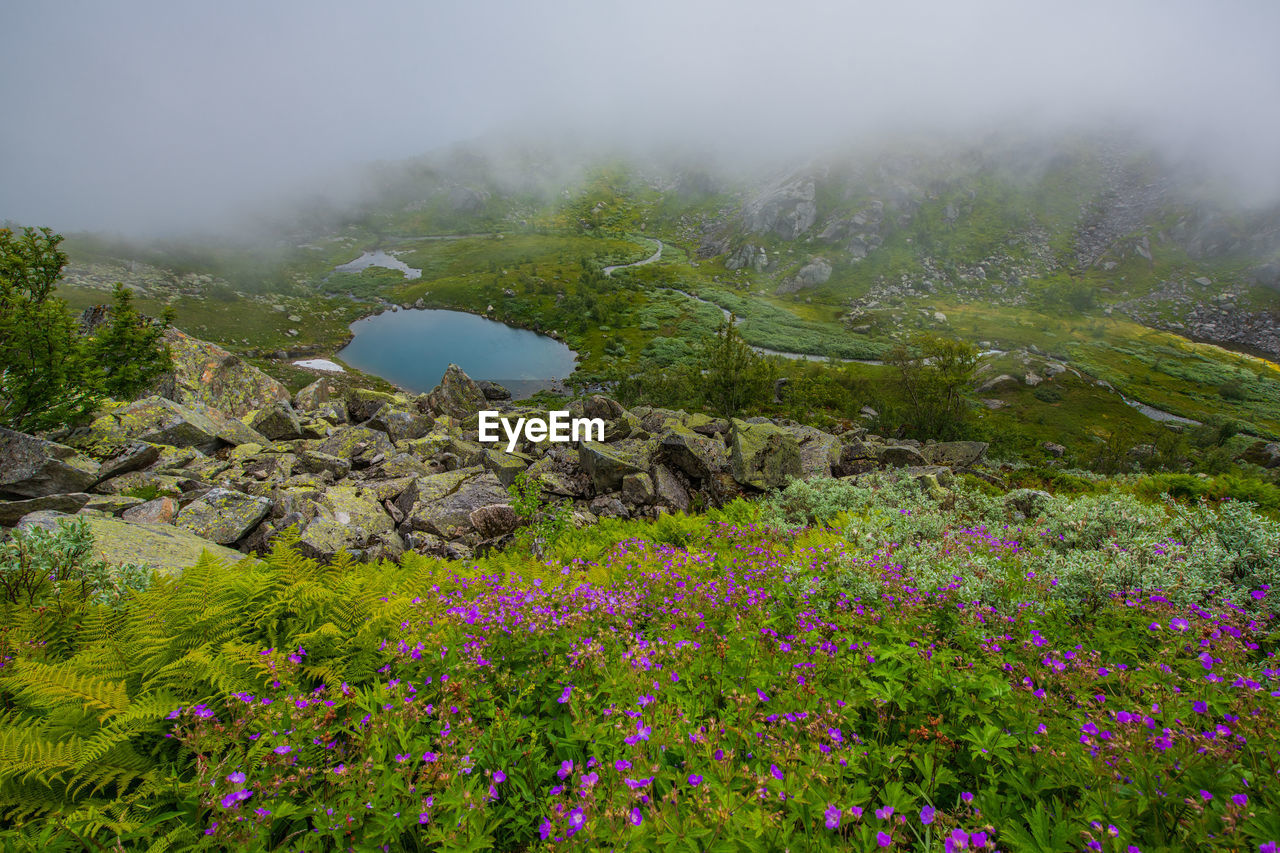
374, 475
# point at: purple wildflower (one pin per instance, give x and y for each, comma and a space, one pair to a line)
832, 814
926, 815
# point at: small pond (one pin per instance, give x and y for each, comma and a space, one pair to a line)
380, 259
412, 348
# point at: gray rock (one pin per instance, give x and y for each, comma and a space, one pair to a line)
787, 209
493, 391
400, 426
812, 274
637, 489
160, 421
457, 395
170, 549
901, 456
278, 422
699, 456
607, 464
314, 396
134, 457
11, 512
33, 468
224, 516
669, 490
955, 454
763, 455
1029, 502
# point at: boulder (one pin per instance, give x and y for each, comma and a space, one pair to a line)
955, 454
11, 512
762, 455
134, 456
398, 425
637, 489
1029, 502
901, 456
315, 462
457, 395
493, 391
32, 467
277, 422
359, 445
161, 421
314, 396
1054, 450
819, 451
669, 490
170, 549
1263, 453
433, 487
607, 464
363, 404
159, 511
505, 466
812, 274
111, 504
223, 515
494, 520
348, 519
450, 516
699, 456
210, 376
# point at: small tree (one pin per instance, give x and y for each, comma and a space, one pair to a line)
44, 378
934, 383
129, 351
51, 376
736, 375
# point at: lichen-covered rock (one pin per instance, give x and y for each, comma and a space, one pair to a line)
134, 456
208, 375
637, 489
763, 455
402, 465
32, 467
142, 481
358, 445
170, 549
1029, 502
398, 425
315, 462
607, 464
433, 487
819, 451
161, 421
901, 456
11, 512
450, 516
111, 504
223, 515
669, 490
505, 466
277, 422
314, 396
347, 519
955, 454
363, 404
697, 455
457, 395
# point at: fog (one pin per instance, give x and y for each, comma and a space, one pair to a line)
163, 117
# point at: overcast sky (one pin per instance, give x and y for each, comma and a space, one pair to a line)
134, 116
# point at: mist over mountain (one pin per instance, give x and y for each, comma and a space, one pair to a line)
147, 118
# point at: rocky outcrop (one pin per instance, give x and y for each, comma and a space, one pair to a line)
31, 467
411, 472
206, 375
787, 209
812, 274
457, 395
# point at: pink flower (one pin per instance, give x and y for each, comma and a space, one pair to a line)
884, 839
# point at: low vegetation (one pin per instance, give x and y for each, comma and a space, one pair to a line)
832, 668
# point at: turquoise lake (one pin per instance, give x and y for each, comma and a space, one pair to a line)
412, 348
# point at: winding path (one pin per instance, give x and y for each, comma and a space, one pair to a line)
608, 271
